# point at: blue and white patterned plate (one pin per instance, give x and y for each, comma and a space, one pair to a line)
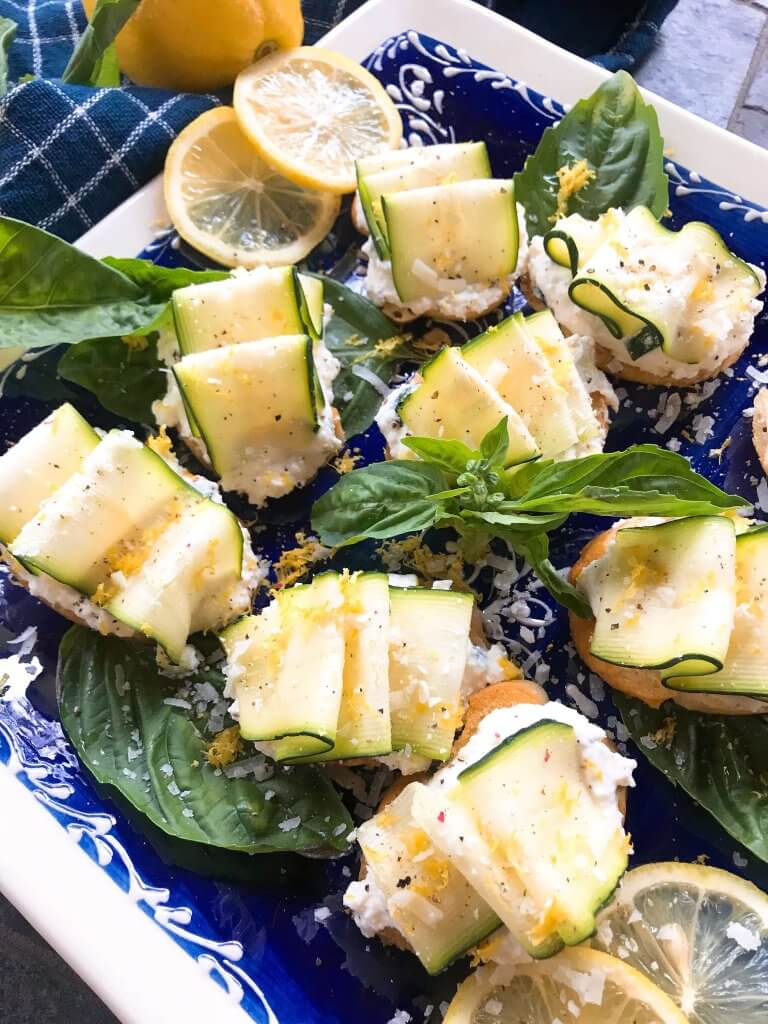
281, 945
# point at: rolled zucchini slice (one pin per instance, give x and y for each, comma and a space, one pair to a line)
258, 407
186, 581
285, 668
263, 303
663, 597
428, 648
364, 728
527, 832
454, 400
418, 167
510, 360
745, 668
443, 238
649, 285
433, 905
105, 517
39, 464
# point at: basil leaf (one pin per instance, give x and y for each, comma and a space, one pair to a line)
112, 703
87, 62
517, 522
159, 283
8, 29
535, 549
643, 479
617, 133
494, 445
451, 456
52, 293
126, 379
719, 760
380, 501
106, 71
352, 335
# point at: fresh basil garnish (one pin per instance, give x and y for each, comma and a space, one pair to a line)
8, 29
113, 704
617, 133
55, 294
721, 761
94, 61
469, 490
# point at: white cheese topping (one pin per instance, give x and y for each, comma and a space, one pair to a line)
726, 320
458, 299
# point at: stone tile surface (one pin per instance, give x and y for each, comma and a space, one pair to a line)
752, 125
701, 59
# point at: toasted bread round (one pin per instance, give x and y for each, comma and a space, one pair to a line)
760, 427
607, 360
642, 683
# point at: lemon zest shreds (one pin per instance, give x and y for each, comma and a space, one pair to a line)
160, 443
572, 178
388, 346
224, 747
346, 462
411, 553
665, 734
295, 563
717, 453
702, 858
135, 342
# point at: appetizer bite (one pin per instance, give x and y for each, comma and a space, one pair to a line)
251, 386
391, 668
547, 386
664, 307
448, 861
445, 237
106, 532
678, 611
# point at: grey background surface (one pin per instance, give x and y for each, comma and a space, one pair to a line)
712, 59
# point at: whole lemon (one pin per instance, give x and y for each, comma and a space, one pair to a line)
197, 45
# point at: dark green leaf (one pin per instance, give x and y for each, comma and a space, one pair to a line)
495, 444
352, 335
52, 293
7, 35
719, 760
383, 500
159, 283
517, 522
644, 479
112, 703
125, 379
87, 63
617, 133
452, 456
535, 548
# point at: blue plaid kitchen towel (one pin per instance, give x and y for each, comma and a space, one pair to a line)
69, 154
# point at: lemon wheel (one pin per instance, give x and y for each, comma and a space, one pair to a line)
312, 113
700, 933
227, 202
578, 986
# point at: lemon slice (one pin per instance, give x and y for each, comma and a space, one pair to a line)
700, 933
311, 113
578, 986
225, 201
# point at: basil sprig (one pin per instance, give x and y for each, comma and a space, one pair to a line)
471, 491
617, 133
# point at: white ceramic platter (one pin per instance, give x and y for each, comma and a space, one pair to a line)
132, 964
